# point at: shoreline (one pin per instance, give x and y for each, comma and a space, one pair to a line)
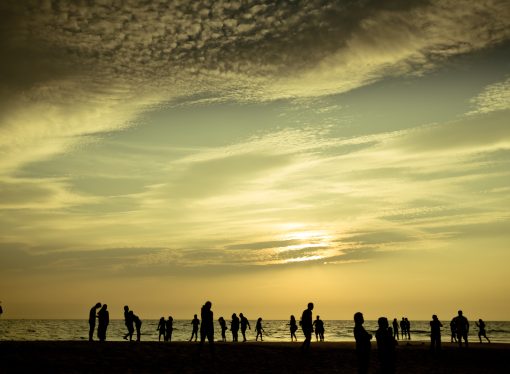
250, 357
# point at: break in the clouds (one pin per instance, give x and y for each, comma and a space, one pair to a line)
88, 164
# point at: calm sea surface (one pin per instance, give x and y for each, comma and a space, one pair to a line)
275, 331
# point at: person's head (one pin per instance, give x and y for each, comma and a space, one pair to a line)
460, 312
234, 315
98, 305
292, 318
104, 307
241, 315
434, 317
260, 319
126, 308
195, 316
480, 320
131, 314
382, 322
358, 318
162, 319
318, 317
170, 318
310, 306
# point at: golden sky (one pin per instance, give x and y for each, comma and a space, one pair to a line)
260, 155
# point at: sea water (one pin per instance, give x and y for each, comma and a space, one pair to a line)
274, 330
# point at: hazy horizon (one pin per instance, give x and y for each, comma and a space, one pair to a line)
256, 154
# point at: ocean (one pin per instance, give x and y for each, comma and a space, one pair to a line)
275, 330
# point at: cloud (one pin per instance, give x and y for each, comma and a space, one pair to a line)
494, 97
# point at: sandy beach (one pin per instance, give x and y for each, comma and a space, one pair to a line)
250, 357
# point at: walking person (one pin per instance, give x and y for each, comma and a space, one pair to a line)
435, 334
92, 320
293, 328
481, 330
363, 346
307, 327
259, 329
244, 324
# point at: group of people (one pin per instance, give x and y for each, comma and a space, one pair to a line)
103, 319
165, 328
459, 328
405, 328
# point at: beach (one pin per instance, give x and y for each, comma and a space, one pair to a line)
249, 357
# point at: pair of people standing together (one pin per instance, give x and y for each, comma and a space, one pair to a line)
103, 319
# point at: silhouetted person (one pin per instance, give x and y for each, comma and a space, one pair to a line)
138, 324
403, 328
453, 330
129, 324
259, 329
385, 346
103, 319
435, 334
92, 320
207, 326
234, 327
395, 328
408, 328
307, 326
223, 326
363, 345
293, 328
169, 328
244, 324
462, 328
195, 322
318, 325
481, 330
161, 329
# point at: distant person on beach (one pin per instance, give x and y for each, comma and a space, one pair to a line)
244, 324
103, 319
408, 328
307, 326
395, 328
129, 324
169, 329
223, 326
195, 323
92, 320
462, 328
318, 325
161, 329
481, 330
435, 334
138, 324
207, 326
293, 328
363, 345
234, 327
403, 328
453, 330
258, 329
385, 346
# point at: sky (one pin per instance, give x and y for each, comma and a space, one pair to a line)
257, 154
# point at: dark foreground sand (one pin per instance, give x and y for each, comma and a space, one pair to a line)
250, 357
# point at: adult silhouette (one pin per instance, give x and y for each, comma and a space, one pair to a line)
169, 329
385, 346
128, 321
244, 324
481, 330
207, 326
223, 326
462, 328
395, 328
92, 320
103, 319
138, 324
453, 330
195, 323
318, 325
307, 326
259, 329
363, 345
161, 329
408, 328
435, 334
234, 327
293, 328
403, 328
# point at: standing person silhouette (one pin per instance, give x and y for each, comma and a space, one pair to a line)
395, 328
259, 329
223, 326
481, 330
408, 329
318, 325
244, 324
453, 330
92, 320
363, 345
385, 346
129, 324
207, 326
403, 328
307, 327
169, 329
103, 319
138, 324
293, 328
161, 329
195, 323
462, 328
435, 334
234, 327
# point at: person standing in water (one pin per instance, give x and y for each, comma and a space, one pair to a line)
195, 323
481, 330
92, 320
